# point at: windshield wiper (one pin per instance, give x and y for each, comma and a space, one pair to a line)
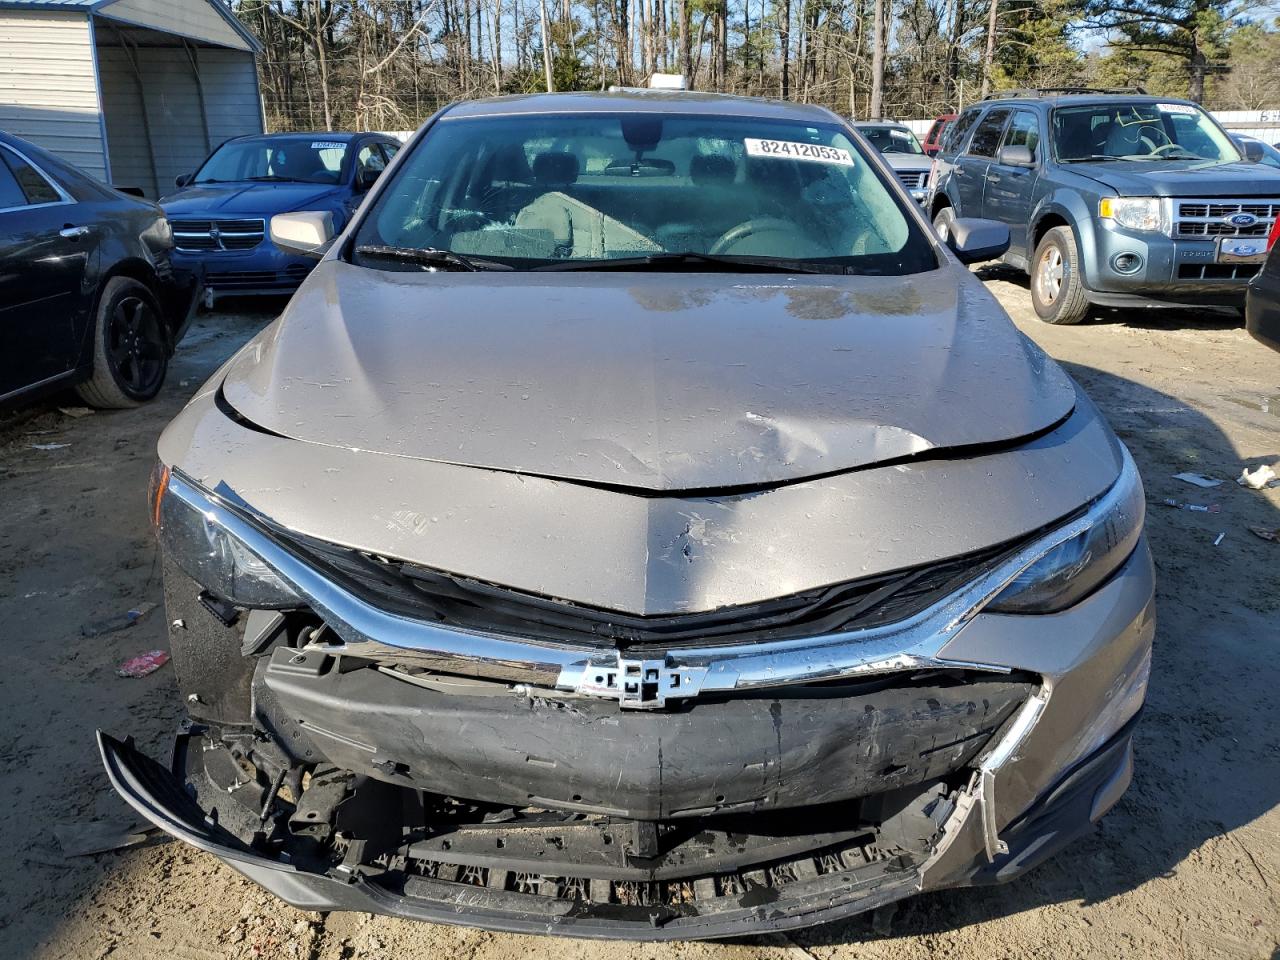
662, 261
430, 257
274, 178
1091, 158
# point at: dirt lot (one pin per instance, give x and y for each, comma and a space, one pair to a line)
1188, 865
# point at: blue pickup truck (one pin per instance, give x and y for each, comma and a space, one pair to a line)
1113, 199
221, 214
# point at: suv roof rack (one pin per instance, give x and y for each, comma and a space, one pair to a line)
1056, 91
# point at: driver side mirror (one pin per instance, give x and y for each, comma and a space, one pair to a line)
366, 177
973, 239
1251, 149
183, 180
1016, 156
306, 233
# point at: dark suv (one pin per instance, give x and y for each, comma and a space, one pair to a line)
1113, 199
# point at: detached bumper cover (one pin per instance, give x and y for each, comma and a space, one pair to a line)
159, 796
1061, 815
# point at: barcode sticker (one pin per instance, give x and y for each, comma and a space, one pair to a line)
327, 145
789, 150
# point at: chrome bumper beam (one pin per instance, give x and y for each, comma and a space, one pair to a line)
364, 630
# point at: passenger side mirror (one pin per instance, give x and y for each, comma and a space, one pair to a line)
973, 239
306, 233
1016, 156
366, 177
183, 180
1251, 149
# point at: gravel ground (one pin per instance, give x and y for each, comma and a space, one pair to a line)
1188, 864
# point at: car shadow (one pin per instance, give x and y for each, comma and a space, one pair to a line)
1156, 318
1207, 756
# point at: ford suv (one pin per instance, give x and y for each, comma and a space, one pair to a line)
1112, 199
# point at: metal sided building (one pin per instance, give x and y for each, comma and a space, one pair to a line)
135, 92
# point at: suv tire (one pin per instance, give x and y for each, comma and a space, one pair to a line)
1057, 289
942, 222
130, 349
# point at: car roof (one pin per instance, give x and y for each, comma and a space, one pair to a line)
1085, 98
343, 136
642, 101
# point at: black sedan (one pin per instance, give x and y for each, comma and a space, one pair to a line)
88, 297
1262, 303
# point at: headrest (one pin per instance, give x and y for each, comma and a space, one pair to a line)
711, 168
555, 168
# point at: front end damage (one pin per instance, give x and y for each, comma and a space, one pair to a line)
370, 734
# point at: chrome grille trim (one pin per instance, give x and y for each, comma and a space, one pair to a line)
363, 630
912, 179
218, 235
1209, 218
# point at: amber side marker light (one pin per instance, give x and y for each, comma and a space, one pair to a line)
155, 492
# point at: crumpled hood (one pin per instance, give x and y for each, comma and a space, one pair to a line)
1183, 178
658, 381
244, 199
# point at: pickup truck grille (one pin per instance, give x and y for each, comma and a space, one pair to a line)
913, 179
1207, 219
204, 235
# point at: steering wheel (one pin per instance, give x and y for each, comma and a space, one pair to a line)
1166, 146
754, 228
467, 222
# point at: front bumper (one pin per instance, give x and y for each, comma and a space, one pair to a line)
262, 271
1047, 761
1172, 272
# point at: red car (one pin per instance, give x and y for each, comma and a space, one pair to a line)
934, 137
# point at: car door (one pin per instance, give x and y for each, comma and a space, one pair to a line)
44, 259
971, 166
1010, 187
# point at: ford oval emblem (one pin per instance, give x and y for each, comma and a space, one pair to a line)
1244, 220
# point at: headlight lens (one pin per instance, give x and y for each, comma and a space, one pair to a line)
1132, 213
216, 559
1075, 568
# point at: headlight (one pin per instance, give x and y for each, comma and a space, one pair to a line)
212, 556
1133, 213
1073, 569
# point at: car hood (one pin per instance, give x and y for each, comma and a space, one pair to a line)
665, 382
1183, 178
908, 161
243, 199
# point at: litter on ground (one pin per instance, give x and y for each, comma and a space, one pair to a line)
1263, 476
119, 622
1199, 479
142, 665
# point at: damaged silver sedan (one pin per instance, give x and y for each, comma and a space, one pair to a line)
641, 525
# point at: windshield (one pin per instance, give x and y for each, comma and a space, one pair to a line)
570, 190
1139, 131
892, 139
296, 159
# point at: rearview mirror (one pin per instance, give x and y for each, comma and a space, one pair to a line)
973, 239
306, 233
1251, 149
183, 180
1016, 156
